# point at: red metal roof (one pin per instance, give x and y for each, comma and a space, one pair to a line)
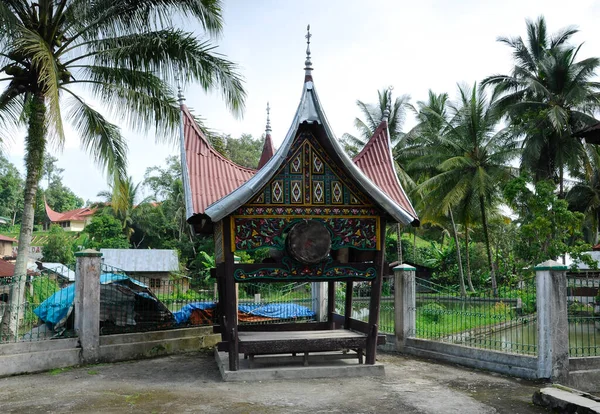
6, 269
267, 153
211, 175
7, 239
376, 162
77, 214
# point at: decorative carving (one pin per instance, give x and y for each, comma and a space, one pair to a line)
251, 233
291, 270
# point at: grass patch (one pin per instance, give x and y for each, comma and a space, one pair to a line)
57, 371
93, 372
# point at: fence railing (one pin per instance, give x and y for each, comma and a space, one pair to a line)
503, 321
265, 303
136, 303
29, 310
583, 309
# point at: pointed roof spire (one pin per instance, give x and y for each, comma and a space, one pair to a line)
268, 127
308, 63
180, 97
388, 106
268, 148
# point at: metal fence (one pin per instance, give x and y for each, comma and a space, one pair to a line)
137, 303
29, 310
583, 308
505, 321
266, 303
361, 296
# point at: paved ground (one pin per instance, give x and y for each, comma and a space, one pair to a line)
191, 383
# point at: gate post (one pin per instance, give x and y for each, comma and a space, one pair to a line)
87, 304
404, 304
553, 324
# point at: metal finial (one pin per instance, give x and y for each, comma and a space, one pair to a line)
388, 106
268, 128
180, 97
308, 63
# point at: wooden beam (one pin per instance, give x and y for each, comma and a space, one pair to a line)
230, 305
374, 303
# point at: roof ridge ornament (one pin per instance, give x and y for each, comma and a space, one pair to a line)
268, 127
388, 106
308, 63
180, 96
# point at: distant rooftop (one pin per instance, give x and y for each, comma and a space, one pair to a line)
141, 260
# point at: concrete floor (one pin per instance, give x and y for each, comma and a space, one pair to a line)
191, 383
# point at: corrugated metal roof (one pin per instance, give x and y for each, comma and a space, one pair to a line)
376, 161
77, 214
267, 153
7, 239
141, 260
60, 269
6, 269
211, 175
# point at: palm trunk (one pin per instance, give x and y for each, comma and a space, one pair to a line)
415, 244
468, 257
488, 247
34, 157
461, 278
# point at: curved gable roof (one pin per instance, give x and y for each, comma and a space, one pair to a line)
208, 175
376, 161
310, 111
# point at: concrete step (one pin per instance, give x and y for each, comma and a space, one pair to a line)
48, 345
566, 400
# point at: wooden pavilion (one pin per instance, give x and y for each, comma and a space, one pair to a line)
325, 213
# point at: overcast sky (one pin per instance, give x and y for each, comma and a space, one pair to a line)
357, 48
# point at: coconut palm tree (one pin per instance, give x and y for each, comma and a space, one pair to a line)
584, 196
125, 53
373, 115
470, 157
547, 97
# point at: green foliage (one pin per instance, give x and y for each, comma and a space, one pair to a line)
432, 312
244, 150
548, 229
58, 247
581, 309
105, 231
11, 191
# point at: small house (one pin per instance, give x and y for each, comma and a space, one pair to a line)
6, 246
72, 220
153, 267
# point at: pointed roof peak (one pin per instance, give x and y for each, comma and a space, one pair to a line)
268, 127
308, 63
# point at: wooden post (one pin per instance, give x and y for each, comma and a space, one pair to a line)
348, 307
230, 305
330, 303
375, 299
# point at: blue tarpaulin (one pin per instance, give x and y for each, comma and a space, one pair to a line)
184, 314
272, 310
56, 309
